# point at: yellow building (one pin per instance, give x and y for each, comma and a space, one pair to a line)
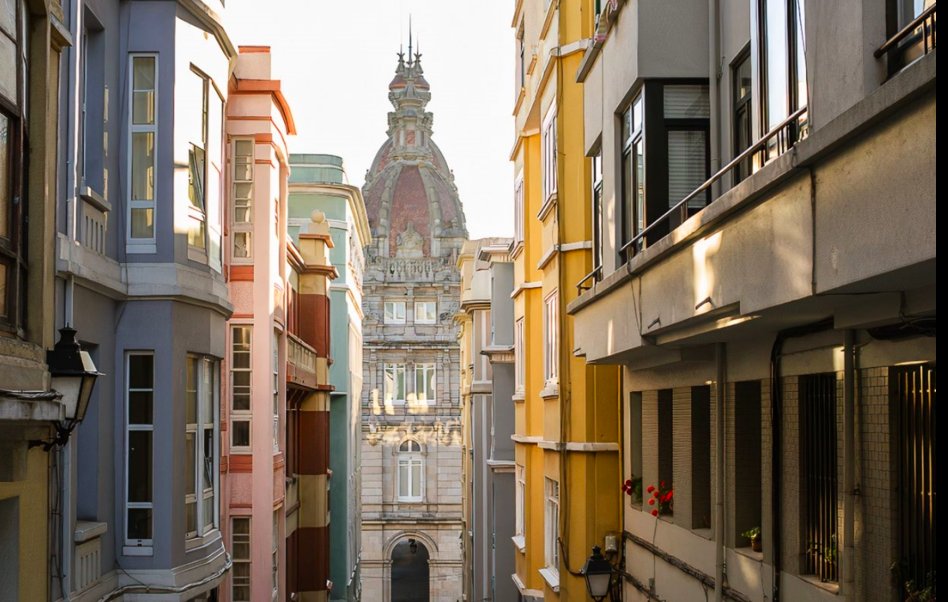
568, 495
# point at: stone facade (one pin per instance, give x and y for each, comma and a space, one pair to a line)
411, 450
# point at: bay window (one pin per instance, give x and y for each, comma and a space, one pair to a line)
139, 439
197, 166
142, 142
200, 445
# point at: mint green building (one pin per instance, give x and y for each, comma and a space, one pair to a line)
319, 183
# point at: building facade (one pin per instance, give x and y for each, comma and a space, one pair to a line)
318, 182
567, 411
411, 438
487, 388
32, 36
764, 275
139, 273
254, 446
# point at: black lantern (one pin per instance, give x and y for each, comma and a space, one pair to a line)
412, 546
598, 574
73, 375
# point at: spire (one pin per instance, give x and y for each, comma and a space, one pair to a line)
409, 40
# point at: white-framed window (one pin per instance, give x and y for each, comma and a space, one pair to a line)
394, 375
142, 156
394, 312
551, 338
242, 217
552, 519
240, 377
426, 312
425, 386
548, 143
519, 364
276, 551
200, 444
240, 552
276, 390
197, 164
411, 473
518, 209
139, 439
519, 497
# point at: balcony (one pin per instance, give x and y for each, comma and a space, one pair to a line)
93, 220
300, 363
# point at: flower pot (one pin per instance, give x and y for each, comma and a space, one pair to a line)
756, 544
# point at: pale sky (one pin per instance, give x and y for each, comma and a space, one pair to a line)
336, 57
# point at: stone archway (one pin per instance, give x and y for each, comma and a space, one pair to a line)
409, 572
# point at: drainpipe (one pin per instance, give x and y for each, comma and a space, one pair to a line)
720, 558
849, 459
714, 58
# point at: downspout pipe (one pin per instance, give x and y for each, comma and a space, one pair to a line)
776, 449
849, 462
720, 558
714, 88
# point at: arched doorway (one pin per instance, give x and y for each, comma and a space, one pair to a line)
410, 572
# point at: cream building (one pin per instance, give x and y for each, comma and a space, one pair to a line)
411, 449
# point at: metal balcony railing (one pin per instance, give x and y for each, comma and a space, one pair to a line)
913, 41
771, 145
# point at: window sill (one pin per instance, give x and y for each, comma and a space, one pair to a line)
548, 205
91, 196
750, 553
200, 541
140, 248
137, 551
520, 542
828, 586
705, 533
518, 397
550, 391
552, 578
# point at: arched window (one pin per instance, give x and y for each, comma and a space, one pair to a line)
411, 479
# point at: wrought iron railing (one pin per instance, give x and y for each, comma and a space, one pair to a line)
819, 472
914, 40
771, 145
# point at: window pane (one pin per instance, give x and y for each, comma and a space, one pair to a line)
189, 451
686, 166
140, 407
190, 393
143, 222
143, 73
240, 433
775, 61
638, 154
139, 466
686, 102
403, 478
139, 523
196, 160
241, 244
190, 509
143, 166
416, 478
140, 371
208, 458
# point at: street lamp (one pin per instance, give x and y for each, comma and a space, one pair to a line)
598, 574
73, 374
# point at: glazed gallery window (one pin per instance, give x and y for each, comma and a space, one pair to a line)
240, 544
394, 312
139, 436
142, 142
552, 520
425, 382
410, 472
551, 338
519, 366
205, 168
240, 377
782, 67
394, 375
520, 495
426, 312
242, 227
633, 173
548, 143
200, 445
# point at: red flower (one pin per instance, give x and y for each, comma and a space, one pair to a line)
651, 488
662, 485
655, 512
669, 496
651, 502
655, 493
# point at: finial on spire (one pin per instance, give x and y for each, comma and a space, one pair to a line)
409, 40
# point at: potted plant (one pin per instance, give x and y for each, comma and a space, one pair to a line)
660, 499
754, 536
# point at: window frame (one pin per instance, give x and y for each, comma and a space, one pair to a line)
794, 54
394, 315
195, 213
634, 206
519, 210
520, 495
434, 315
396, 369
407, 460
551, 339
596, 213
242, 228
144, 544
742, 113
519, 357
207, 385
424, 369
245, 581
548, 144
551, 519
142, 244
241, 415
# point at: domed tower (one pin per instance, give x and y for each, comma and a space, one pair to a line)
411, 407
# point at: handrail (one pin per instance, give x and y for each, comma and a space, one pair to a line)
903, 33
754, 148
579, 285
